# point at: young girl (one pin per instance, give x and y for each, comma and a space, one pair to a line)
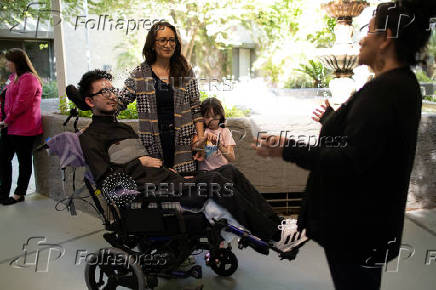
217, 142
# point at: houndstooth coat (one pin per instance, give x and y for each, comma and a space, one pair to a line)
140, 87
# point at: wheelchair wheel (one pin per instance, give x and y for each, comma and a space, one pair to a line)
111, 268
223, 262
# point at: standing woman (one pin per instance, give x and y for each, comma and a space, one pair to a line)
21, 123
168, 100
360, 170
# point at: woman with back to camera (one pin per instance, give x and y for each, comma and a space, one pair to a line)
168, 100
360, 170
21, 123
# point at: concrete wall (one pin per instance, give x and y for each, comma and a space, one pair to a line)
268, 176
422, 192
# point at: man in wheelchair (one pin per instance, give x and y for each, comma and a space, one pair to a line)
112, 147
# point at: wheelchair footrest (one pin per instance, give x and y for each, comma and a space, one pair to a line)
257, 245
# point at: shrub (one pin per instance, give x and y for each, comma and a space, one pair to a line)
233, 111
299, 81
422, 77
49, 90
66, 105
317, 72
430, 98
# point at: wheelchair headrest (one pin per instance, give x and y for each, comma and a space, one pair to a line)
74, 96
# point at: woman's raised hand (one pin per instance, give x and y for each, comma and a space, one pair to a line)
319, 113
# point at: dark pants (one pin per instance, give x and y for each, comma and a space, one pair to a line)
22, 146
235, 193
352, 276
243, 201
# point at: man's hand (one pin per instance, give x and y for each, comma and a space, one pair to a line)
3, 125
269, 145
148, 161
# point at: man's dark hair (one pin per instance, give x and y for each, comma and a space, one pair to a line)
409, 21
77, 96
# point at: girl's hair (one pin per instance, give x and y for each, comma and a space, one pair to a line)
78, 95
22, 62
409, 22
215, 105
179, 67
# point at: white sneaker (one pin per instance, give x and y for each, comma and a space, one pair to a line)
290, 238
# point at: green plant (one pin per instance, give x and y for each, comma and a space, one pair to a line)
422, 77
317, 72
299, 81
325, 37
50, 90
204, 96
66, 105
430, 98
233, 111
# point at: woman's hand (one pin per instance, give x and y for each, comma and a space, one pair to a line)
269, 146
319, 113
148, 161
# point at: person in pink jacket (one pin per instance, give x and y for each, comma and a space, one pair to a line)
20, 124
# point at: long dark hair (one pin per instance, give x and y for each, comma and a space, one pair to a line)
409, 22
215, 105
179, 67
21, 61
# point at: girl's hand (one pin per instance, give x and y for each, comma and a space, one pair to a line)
200, 155
212, 138
319, 113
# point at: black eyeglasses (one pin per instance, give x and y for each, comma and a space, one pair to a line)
162, 41
105, 92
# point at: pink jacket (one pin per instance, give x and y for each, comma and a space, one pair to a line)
22, 106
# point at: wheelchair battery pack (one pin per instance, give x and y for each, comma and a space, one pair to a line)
142, 220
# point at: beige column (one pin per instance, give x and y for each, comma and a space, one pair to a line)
59, 47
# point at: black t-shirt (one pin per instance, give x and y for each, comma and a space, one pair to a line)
165, 113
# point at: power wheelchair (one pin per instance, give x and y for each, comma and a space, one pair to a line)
149, 237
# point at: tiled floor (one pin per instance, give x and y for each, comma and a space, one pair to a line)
37, 218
